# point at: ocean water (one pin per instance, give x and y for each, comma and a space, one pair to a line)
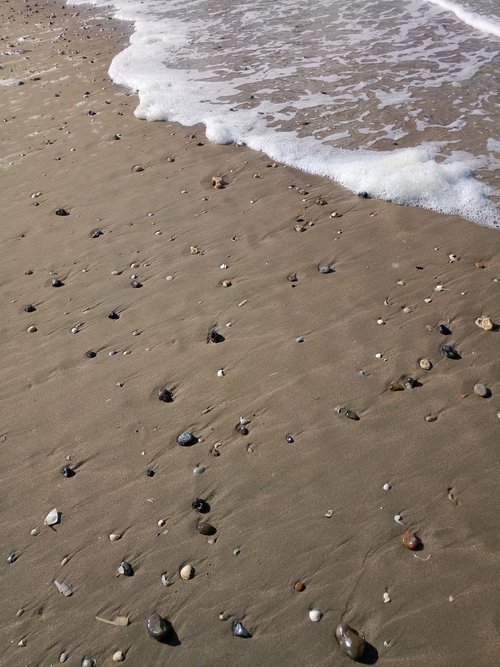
396, 98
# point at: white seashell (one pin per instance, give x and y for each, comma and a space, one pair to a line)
165, 580
118, 656
244, 421
63, 588
114, 537
169, 278
63, 657
187, 572
401, 282
34, 532
223, 266
379, 355
161, 522
88, 662
220, 373
329, 514
315, 615
65, 560
22, 642
428, 300
452, 258
387, 597
439, 288
380, 321
52, 518
398, 519
387, 487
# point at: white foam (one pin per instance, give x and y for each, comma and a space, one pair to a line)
486, 24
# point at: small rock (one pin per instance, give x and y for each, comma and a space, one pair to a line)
292, 277
481, 390
186, 439
449, 352
136, 283
30, 308
63, 657
90, 354
217, 182
409, 382
387, 487
299, 339
299, 586
350, 641
443, 330
200, 505
62, 211
114, 537
198, 470
126, 569
150, 472
113, 315
289, 439
31, 329
213, 336
206, 529
315, 615
52, 518
57, 283
68, 472
158, 628
165, 395
137, 168
325, 268
118, 656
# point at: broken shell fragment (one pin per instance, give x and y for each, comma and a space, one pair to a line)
186, 572
126, 569
350, 641
114, 537
52, 518
63, 588
240, 631
484, 323
217, 182
410, 540
118, 656
425, 364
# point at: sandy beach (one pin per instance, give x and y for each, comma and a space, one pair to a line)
151, 260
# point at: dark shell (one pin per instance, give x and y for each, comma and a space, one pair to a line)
200, 506
62, 211
165, 395
241, 429
90, 354
409, 382
158, 628
240, 631
186, 439
206, 529
113, 315
128, 570
443, 329
325, 268
364, 195
57, 283
136, 284
289, 439
449, 352
350, 641
11, 558
68, 472
30, 308
351, 415
95, 233
150, 472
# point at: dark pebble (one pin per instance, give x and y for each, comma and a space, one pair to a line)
289, 439
351, 415
165, 395
11, 558
113, 315
449, 352
136, 283
30, 308
214, 336
240, 631
186, 439
128, 570
206, 529
409, 382
158, 628
68, 472
57, 283
95, 233
62, 211
200, 506
364, 195
443, 329
241, 429
90, 354
150, 472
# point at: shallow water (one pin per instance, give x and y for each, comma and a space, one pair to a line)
396, 99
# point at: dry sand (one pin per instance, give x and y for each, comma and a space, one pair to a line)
270, 501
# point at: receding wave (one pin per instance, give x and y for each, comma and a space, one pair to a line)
485, 24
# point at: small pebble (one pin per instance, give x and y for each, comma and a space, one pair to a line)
449, 352
136, 283
34, 532
387, 597
88, 662
299, 586
90, 354
62, 211
198, 470
315, 615
398, 519
220, 373
481, 390
114, 537
158, 628
325, 268
68, 472
186, 438
11, 558
186, 572
387, 487
380, 321
443, 330
150, 472
57, 283
118, 656
30, 308
289, 439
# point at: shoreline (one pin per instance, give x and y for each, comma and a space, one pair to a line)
269, 499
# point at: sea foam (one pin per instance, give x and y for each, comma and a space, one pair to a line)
319, 94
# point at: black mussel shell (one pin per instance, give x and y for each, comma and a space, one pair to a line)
200, 506
240, 631
443, 329
165, 395
449, 352
68, 472
30, 308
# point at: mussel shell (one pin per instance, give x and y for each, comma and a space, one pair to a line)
165, 395
158, 628
200, 505
443, 329
240, 631
350, 641
126, 569
449, 352
206, 528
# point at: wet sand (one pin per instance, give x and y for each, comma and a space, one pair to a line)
313, 510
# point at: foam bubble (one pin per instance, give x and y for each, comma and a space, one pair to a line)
486, 24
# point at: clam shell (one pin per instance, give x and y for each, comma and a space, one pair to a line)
114, 537
240, 631
186, 572
52, 518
